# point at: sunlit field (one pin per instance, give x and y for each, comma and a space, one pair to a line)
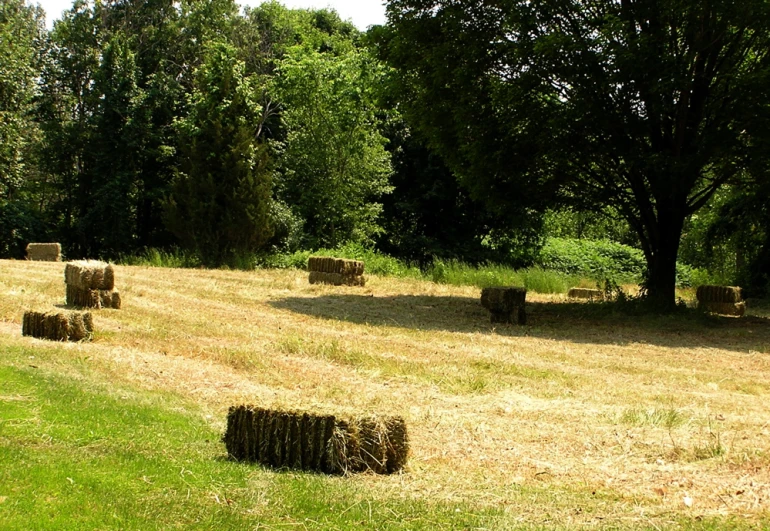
585, 417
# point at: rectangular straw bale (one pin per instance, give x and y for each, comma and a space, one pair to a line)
503, 298
736, 309
89, 274
44, 252
58, 326
307, 441
726, 294
93, 298
505, 304
341, 266
336, 279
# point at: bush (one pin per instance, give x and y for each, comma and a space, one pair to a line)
601, 260
593, 258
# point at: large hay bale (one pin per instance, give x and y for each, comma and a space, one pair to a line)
90, 274
725, 294
307, 441
44, 252
58, 326
336, 279
342, 266
736, 309
93, 298
505, 304
585, 293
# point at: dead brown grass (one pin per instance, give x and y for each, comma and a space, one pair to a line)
633, 416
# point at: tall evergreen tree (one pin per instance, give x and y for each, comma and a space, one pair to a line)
220, 201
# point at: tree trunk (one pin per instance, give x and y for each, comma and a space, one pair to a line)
664, 241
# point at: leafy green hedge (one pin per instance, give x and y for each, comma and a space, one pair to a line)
601, 259
592, 258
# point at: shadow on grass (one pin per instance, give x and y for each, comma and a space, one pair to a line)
605, 323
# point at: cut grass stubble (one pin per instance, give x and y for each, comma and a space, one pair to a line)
520, 421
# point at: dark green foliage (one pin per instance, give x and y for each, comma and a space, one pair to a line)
220, 200
19, 225
592, 258
21, 35
430, 215
647, 107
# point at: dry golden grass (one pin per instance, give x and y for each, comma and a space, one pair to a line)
575, 418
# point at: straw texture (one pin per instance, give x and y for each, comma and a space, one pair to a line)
324, 443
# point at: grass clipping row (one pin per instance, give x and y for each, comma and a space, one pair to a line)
723, 300
324, 443
44, 252
335, 271
58, 326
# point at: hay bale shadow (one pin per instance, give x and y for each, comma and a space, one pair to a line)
581, 322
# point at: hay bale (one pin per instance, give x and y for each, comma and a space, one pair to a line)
735, 309
93, 298
89, 274
336, 279
58, 326
342, 266
724, 294
44, 252
584, 293
325, 443
505, 304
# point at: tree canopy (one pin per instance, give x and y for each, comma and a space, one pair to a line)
648, 106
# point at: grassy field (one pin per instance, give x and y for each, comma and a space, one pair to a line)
584, 418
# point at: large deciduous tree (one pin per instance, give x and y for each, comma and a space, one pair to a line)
647, 106
21, 33
334, 163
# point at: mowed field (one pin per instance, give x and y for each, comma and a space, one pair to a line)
582, 418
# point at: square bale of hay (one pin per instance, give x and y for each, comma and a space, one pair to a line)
44, 252
318, 442
89, 274
506, 304
720, 294
733, 309
58, 325
335, 279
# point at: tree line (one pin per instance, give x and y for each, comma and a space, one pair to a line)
459, 129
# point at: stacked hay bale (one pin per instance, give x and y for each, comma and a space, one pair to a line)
91, 284
44, 252
584, 293
324, 443
505, 304
724, 300
336, 271
58, 326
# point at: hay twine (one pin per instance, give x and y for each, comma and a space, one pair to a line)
324, 443
58, 326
